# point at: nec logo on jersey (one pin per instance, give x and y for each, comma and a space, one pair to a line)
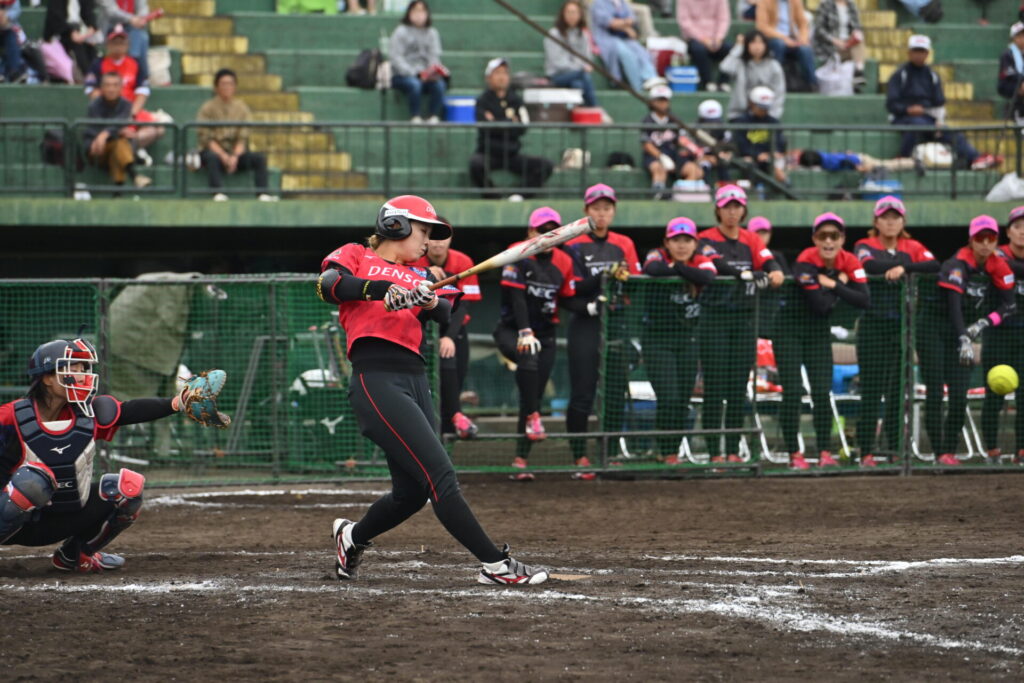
65, 484
541, 291
60, 451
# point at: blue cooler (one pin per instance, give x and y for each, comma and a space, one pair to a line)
873, 190
682, 78
460, 109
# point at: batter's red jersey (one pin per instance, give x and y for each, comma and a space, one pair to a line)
456, 263
368, 318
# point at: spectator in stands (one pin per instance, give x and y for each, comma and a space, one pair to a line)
761, 146
74, 23
746, 9
498, 148
135, 86
15, 70
1011, 73
716, 158
789, 37
838, 32
352, 7
662, 154
751, 65
704, 25
849, 160
914, 97
615, 32
415, 54
225, 149
112, 145
133, 15
562, 67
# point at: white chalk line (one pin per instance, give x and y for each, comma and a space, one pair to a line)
186, 497
867, 567
750, 606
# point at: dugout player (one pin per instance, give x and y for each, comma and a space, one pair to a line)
47, 446
728, 341
671, 316
890, 252
530, 293
945, 345
382, 306
598, 256
1005, 345
824, 274
453, 341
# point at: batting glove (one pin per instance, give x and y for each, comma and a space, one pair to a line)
527, 343
619, 271
966, 350
594, 307
397, 299
421, 295
975, 329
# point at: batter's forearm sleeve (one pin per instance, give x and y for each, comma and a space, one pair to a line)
144, 410
698, 276
956, 311
459, 314
336, 285
441, 314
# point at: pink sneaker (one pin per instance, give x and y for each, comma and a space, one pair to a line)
464, 427
732, 457
868, 461
521, 464
949, 460
670, 460
825, 459
797, 462
584, 462
534, 427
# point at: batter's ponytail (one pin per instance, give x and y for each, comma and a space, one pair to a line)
374, 241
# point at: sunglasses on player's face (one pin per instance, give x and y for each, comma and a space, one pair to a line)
985, 237
828, 235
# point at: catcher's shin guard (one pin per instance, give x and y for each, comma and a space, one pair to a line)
31, 487
124, 490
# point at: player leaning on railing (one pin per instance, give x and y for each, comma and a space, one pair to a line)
383, 305
47, 445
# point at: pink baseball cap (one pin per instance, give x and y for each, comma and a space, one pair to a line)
981, 224
829, 217
730, 193
890, 202
599, 191
1015, 213
759, 223
681, 226
544, 214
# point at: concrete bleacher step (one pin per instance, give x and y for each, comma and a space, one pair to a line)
283, 116
271, 101
877, 19
274, 141
193, 64
214, 44
194, 8
299, 182
253, 81
191, 26
311, 162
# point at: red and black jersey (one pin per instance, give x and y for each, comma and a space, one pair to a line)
1017, 266
746, 252
456, 263
542, 279
870, 250
368, 318
592, 255
678, 301
958, 270
134, 80
821, 301
964, 276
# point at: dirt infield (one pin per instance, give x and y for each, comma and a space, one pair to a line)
850, 578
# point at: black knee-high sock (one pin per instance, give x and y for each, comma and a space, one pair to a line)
385, 514
461, 523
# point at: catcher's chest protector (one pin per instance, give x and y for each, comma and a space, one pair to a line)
68, 454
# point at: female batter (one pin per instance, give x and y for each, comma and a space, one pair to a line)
670, 327
531, 290
945, 343
382, 306
887, 251
1005, 345
824, 274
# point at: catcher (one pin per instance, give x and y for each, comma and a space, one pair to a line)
47, 445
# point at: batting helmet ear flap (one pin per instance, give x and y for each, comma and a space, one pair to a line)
393, 227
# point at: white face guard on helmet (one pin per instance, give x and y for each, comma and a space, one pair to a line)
80, 385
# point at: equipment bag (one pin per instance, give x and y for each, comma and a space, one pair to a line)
363, 74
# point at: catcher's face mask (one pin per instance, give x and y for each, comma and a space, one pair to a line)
75, 373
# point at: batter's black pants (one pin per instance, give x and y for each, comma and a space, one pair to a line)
728, 348
532, 373
453, 375
75, 527
881, 361
804, 343
585, 360
671, 364
1002, 346
394, 411
938, 355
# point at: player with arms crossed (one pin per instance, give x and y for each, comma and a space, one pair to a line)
47, 446
531, 290
382, 306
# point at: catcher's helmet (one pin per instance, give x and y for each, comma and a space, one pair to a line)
393, 219
58, 356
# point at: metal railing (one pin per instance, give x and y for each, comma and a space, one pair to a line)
45, 157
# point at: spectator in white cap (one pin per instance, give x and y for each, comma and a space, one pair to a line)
750, 65
1011, 72
715, 161
498, 147
764, 147
666, 151
914, 97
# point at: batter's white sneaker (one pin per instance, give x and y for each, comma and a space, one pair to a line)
509, 572
350, 553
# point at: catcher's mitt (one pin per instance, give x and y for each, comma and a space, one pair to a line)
198, 399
